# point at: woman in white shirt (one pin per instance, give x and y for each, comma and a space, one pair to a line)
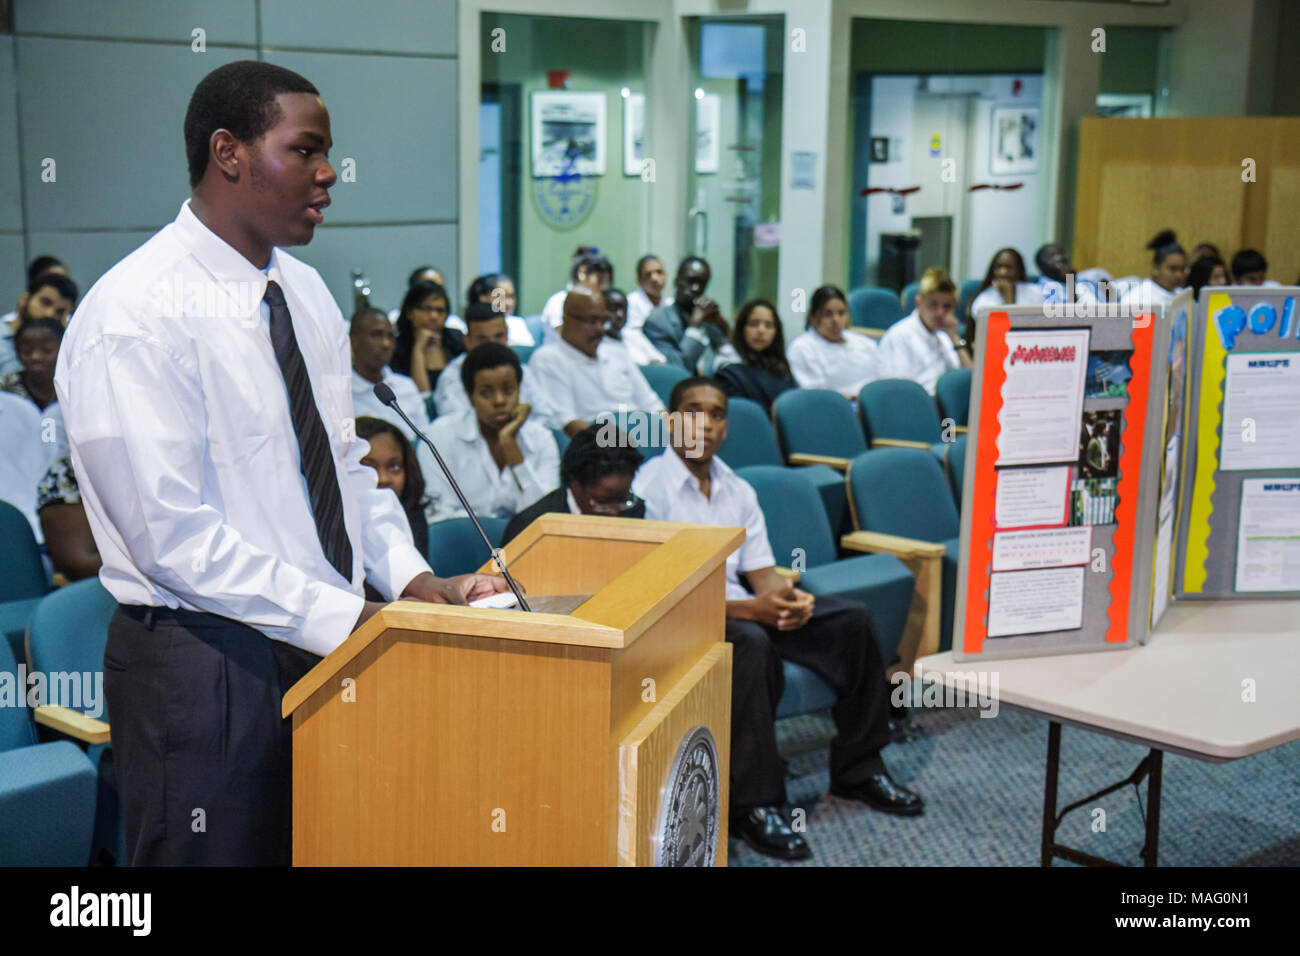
498, 290
1005, 283
824, 356
1168, 273
502, 461
590, 270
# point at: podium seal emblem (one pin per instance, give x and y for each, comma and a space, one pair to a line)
687, 834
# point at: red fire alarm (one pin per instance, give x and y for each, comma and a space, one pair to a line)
557, 79
1016, 87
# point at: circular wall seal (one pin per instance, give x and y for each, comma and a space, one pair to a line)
687, 834
566, 199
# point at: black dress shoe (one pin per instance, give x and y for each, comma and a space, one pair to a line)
765, 829
880, 792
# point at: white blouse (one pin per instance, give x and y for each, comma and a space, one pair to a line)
842, 366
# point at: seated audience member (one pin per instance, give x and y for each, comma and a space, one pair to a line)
418, 274
26, 458
1055, 269
37, 345
1168, 273
834, 638
485, 325
616, 309
595, 479
689, 329
589, 270
394, 461
498, 290
1005, 283
1207, 270
68, 539
1204, 249
754, 365
425, 345
1249, 267
50, 295
644, 299
926, 344
502, 459
581, 376
825, 357
373, 343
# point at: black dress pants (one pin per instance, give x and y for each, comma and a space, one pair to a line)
839, 645
203, 757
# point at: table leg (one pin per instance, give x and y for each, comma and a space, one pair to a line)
1151, 848
1049, 790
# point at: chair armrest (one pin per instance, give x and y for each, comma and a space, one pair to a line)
59, 579
868, 332
73, 724
898, 443
788, 574
802, 458
900, 547
961, 429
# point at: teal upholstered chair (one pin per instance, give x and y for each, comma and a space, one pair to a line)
67, 633
525, 352
561, 440
952, 393
903, 493
662, 378
430, 407
908, 296
751, 440
47, 791
537, 326
898, 412
965, 296
816, 426
872, 307
648, 431
954, 464
456, 548
22, 582
800, 535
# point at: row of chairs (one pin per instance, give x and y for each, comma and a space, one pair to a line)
875, 307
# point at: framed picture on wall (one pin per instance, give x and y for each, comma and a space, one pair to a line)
708, 133
633, 133
1124, 105
568, 133
1014, 135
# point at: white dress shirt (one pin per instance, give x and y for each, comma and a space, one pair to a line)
451, 400
1027, 293
25, 458
639, 308
408, 396
1147, 294
910, 350
8, 354
574, 386
553, 310
843, 367
672, 493
184, 448
494, 492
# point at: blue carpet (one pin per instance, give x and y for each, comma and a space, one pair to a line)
982, 780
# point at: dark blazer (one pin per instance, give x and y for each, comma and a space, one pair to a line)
667, 332
556, 502
747, 381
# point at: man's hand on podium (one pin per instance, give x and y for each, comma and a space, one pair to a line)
458, 590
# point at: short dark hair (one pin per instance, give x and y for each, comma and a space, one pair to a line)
610, 292
56, 281
823, 296
363, 313
418, 271
687, 260
239, 97
483, 285
591, 262
413, 487
646, 260
480, 312
53, 326
41, 265
1248, 260
695, 381
587, 460
485, 356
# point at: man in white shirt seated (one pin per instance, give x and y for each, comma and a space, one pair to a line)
25, 457
50, 295
1056, 278
502, 459
498, 290
827, 355
925, 344
834, 638
373, 342
485, 325
222, 480
644, 299
589, 270
581, 376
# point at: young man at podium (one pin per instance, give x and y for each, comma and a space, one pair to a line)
832, 637
206, 389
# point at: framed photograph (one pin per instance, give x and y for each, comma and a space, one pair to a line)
1014, 135
708, 133
879, 149
633, 133
568, 133
1124, 105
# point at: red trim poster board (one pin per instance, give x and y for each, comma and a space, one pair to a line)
1062, 481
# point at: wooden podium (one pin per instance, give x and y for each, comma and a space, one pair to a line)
445, 735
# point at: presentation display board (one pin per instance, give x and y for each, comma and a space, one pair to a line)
1238, 529
1175, 418
1062, 480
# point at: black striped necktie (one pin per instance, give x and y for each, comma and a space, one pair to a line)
317, 461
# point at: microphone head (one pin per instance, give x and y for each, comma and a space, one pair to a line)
385, 394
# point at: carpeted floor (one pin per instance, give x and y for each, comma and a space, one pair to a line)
982, 780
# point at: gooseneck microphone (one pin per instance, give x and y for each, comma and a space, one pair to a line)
385, 395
